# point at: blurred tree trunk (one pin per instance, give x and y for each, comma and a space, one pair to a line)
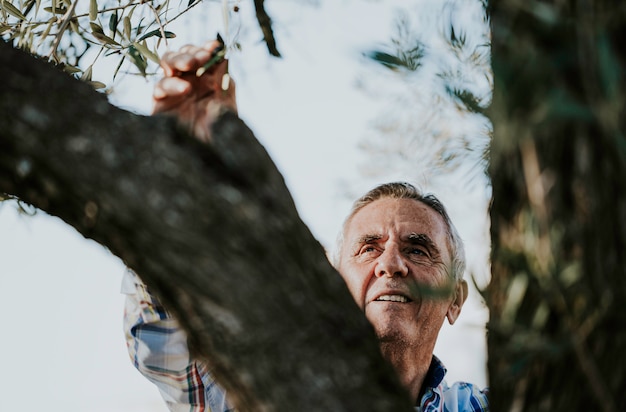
211, 229
557, 340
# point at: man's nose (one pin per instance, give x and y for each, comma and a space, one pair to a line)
390, 263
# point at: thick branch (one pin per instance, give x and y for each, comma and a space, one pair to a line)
212, 230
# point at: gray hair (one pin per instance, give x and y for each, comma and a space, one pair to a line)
403, 190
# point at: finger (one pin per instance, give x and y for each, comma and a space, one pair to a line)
189, 48
183, 60
200, 54
210, 54
182, 63
167, 63
189, 58
212, 45
171, 87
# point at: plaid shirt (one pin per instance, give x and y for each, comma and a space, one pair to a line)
158, 349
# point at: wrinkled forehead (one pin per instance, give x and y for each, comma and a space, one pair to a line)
399, 217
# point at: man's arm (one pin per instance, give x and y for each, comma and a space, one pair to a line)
158, 349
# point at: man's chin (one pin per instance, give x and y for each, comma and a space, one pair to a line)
392, 316
390, 333
393, 343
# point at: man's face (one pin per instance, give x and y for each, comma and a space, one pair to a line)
394, 261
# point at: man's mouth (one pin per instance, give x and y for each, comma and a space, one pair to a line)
393, 298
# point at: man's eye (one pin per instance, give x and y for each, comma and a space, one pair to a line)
367, 250
416, 251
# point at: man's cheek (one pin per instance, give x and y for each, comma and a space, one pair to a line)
356, 290
357, 295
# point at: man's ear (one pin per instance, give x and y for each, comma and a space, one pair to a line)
460, 294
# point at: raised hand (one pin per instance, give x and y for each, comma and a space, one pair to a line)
196, 96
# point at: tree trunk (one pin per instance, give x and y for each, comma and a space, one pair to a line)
211, 229
558, 167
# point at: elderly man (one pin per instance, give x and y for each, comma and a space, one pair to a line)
399, 254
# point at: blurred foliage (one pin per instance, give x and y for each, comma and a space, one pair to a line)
436, 74
558, 170
409, 60
406, 51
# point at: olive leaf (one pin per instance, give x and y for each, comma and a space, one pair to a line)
12, 10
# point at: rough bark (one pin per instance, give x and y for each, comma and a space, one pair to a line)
211, 229
558, 167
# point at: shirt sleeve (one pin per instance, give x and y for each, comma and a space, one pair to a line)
157, 346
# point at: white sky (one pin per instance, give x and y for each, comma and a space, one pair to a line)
63, 346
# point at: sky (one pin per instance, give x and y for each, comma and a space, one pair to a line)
63, 346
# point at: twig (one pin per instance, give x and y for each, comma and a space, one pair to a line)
266, 26
66, 20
